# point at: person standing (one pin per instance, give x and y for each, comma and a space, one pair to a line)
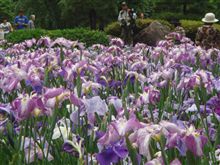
141, 15
31, 24
6, 26
124, 19
21, 21
207, 36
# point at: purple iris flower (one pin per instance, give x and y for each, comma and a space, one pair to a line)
117, 42
214, 103
115, 84
33, 151
117, 103
99, 134
184, 138
176, 162
28, 106
102, 81
62, 42
129, 78
53, 92
5, 113
75, 146
112, 154
107, 157
149, 96
75, 100
117, 51
70, 149
92, 106
44, 41
38, 89
195, 144
30, 43
156, 161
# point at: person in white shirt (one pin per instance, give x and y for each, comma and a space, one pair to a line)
126, 19
31, 22
6, 26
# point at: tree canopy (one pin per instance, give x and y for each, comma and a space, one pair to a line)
52, 14
7, 9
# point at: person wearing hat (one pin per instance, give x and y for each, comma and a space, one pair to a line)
207, 36
124, 19
21, 21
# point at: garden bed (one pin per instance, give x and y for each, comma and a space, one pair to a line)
64, 103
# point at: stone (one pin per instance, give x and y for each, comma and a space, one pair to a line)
152, 34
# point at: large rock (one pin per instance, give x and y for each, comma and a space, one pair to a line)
152, 34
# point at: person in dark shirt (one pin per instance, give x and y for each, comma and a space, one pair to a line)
208, 36
21, 21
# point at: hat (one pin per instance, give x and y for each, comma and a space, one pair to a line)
209, 18
123, 3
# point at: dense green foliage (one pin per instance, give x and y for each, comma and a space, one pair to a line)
47, 12
21, 35
79, 12
98, 13
6, 9
75, 13
184, 9
83, 35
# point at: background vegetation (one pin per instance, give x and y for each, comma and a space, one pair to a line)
53, 14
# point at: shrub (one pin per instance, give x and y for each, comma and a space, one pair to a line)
191, 27
169, 16
21, 35
114, 28
83, 35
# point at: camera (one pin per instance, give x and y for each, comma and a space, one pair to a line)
132, 14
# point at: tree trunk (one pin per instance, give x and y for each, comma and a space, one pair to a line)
92, 19
184, 7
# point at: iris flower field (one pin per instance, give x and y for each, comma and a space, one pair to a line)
64, 103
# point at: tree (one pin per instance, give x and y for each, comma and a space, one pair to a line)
47, 12
185, 8
79, 11
142, 6
7, 9
52, 14
215, 7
